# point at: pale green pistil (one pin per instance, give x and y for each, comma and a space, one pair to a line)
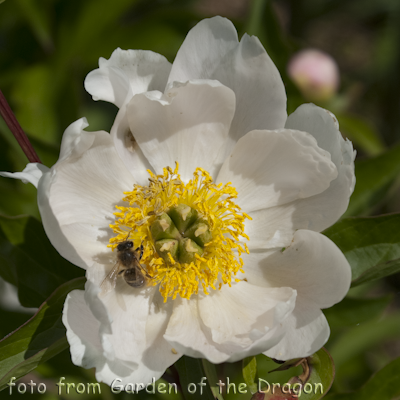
180, 233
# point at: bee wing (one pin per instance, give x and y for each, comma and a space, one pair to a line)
110, 281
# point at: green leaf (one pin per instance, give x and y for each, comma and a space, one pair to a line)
374, 176
249, 369
193, 380
34, 97
381, 386
368, 244
254, 25
212, 378
94, 20
39, 339
38, 20
288, 364
29, 261
11, 320
350, 312
264, 23
322, 374
267, 374
361, 133
20, 198
378, 271
363, 337
312, 384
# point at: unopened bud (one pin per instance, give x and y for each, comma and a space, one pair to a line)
277, 394
315, 73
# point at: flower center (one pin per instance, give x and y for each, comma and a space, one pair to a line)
189, 232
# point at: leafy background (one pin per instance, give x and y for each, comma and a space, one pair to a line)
46, 49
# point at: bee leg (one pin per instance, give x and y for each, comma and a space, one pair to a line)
148, 276
144, 272
139, 265
141, 251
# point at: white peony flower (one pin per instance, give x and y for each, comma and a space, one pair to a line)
245, 171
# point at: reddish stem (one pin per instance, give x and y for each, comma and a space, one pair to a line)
15, 128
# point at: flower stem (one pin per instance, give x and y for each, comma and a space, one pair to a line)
15, 128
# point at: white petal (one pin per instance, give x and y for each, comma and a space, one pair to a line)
271, 227
123, 343
306, 331
274, 227
139, 323
211, 51
128, 149
32, 173
230, 325
233, 312
77, 198
75, 140
312, 264
268, 168
87, 323
203, 50
188, 335
323, 125
126, 73
82, 331
317, 269
325, 209
189, 125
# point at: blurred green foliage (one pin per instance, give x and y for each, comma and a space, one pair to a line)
46, 49
41, 338
30, 262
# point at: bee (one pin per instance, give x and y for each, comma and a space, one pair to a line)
128, 266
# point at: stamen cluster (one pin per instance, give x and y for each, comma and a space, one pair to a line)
190, 232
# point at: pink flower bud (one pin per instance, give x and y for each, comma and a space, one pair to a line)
315, 73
